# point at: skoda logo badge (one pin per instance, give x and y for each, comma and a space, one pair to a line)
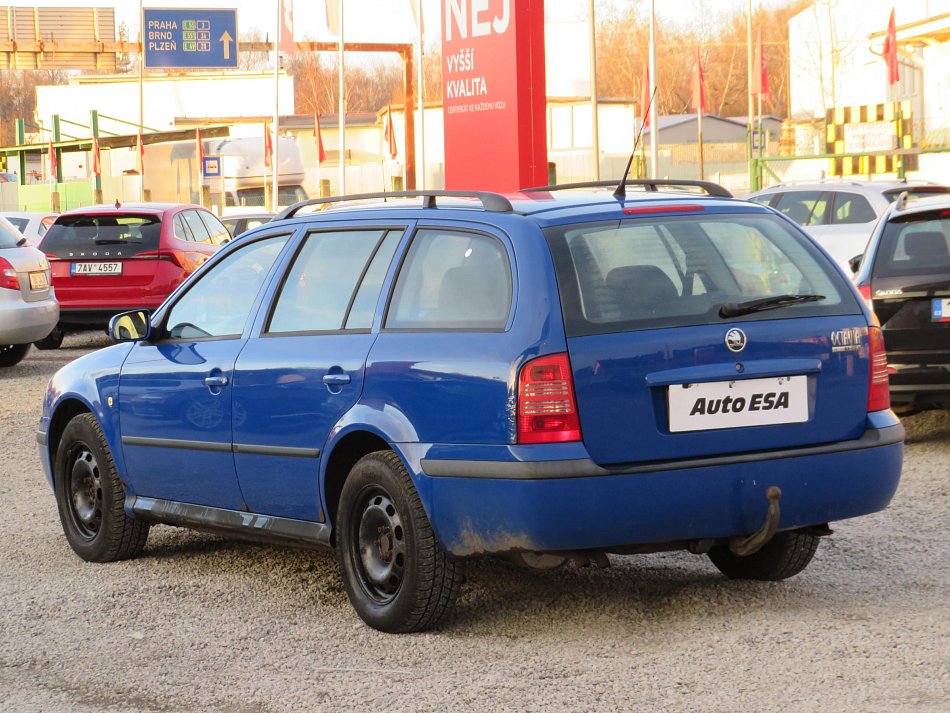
735, 340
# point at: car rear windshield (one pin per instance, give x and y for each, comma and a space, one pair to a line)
917, 244
8, 238
102, 235
671, 271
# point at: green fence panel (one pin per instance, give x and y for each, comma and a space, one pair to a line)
73, 194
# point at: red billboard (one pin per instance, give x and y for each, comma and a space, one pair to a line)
493, 94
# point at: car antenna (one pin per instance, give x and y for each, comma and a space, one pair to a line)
117, 204
621, 190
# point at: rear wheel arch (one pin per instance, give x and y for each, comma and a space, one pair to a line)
345, 454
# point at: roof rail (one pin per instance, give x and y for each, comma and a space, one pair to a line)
493, 202
651, 184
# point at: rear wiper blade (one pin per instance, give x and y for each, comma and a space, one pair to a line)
107, 241
737, 309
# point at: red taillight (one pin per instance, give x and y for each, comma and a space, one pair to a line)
547, 410
8, 277
879, 391
174, 256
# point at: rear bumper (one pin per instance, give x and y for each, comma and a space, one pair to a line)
569, 505
24, 322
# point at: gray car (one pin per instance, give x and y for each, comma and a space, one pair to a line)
33, 224
28, 306
840, 215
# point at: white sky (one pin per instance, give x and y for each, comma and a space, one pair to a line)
376, 20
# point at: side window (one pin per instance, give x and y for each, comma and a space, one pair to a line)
219, 234
364, 304
804, 207
219, 303
452, 280
765, 199
197, 227
181, 230
319, 287
852, 208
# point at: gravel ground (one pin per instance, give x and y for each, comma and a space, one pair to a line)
199, 623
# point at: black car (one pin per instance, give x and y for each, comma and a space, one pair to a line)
905, 276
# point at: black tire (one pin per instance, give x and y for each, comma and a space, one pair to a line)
784, 556
90, 496
53, 340
396, 574
12, 354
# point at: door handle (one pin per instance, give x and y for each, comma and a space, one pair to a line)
336, 379
216, 381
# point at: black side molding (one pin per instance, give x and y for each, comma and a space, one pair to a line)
587, 468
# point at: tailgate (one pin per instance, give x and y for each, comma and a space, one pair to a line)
681, 393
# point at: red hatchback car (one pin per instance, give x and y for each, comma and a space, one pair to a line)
109, 259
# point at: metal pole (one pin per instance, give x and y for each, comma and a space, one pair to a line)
422, 121
342, 112
654, 138
275, 162
141, 159
748, 41
594, 119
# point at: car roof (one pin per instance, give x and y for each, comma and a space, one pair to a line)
523, 203
122, 208
26, 213
859, 186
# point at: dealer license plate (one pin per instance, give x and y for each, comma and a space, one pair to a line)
96, 268
733, 404
941, 309
39, 280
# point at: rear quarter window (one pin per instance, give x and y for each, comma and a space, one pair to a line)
915, 245
673, 271
123, 235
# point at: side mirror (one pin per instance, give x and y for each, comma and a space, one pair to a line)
131, 326
855, 263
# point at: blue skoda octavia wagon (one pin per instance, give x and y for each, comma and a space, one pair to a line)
555, 374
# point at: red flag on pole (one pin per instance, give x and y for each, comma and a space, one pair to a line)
645, 96
760, 74
890, 51
96, 158
390, 134
52, 161
318, 135
287, 26
141, 155
268, 148
699, 90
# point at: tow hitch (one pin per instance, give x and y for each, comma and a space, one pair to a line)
745, 546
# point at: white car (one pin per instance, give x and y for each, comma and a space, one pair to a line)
28, 307
840, 215
32, 224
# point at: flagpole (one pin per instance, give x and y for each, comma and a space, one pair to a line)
421, 172
275, 187
141, 97
198, 164
653, 129
342, 112
748, 39
595, 129
699, 124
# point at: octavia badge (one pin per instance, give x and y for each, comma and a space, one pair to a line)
735, 340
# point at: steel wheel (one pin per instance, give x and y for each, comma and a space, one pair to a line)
380, 541
84, 485
90, 496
